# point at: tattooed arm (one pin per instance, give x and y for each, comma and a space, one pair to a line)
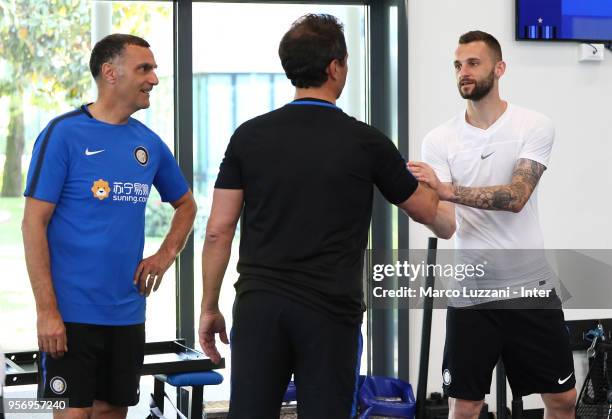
510, 197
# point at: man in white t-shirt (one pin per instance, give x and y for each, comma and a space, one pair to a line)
485, 164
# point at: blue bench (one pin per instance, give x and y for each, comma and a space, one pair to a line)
195, 380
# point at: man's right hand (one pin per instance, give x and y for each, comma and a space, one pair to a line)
211, 323
51, 333
425, 173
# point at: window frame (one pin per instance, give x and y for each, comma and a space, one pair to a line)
390, 328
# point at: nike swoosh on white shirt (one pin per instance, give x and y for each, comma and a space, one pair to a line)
91, 153
560, 381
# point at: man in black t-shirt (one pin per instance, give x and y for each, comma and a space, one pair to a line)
303, 178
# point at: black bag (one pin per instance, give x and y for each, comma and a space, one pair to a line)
595, 399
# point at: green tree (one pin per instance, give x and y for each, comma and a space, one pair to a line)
137, 18
44, 47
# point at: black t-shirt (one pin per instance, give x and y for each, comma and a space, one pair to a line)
308, 171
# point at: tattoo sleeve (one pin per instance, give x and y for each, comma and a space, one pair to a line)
510, 197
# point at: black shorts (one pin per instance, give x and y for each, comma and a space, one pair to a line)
102, 363
533, 344
272, 337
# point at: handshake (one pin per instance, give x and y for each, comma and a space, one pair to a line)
425, 174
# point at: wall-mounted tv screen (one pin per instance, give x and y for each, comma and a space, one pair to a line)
564, 20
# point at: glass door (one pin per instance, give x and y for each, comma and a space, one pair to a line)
237, 75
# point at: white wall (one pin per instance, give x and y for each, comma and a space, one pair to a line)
574, 199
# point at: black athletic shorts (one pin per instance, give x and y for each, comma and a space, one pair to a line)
533, 344
102, 363
272, 337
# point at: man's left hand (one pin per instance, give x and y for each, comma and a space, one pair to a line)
151, 270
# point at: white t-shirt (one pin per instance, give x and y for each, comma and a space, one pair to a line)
468, 156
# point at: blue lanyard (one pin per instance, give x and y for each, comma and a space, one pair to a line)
312, 102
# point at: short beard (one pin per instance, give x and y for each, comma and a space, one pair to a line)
481, 88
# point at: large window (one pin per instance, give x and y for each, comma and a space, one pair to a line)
43, 87
152, 20
47, 44
238, 79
